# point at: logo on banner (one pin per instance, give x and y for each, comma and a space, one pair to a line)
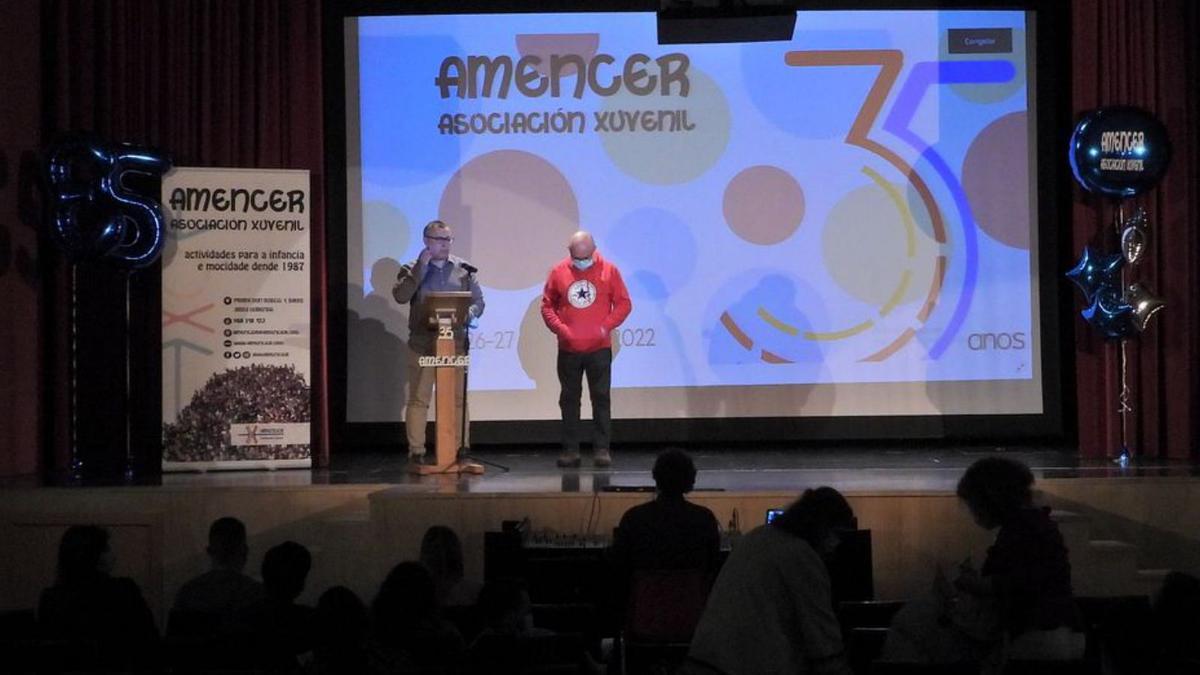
290, 433
581, 294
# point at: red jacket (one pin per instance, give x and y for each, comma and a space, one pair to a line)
583, 307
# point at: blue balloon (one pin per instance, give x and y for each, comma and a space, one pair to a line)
1111, 315
95, 214
144, 240
1119, 151
1094, 273
82, 222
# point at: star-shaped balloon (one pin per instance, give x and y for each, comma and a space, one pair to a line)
1096, 272
1111, 315
1144, 303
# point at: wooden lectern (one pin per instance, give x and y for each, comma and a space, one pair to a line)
447, 311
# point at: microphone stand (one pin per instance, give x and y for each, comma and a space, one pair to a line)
463, 450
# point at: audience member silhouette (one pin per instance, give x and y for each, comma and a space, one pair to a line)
511, 643
507, 610
1019, 605
210, 601
442, 555
279, 631
1027, 573
407, 632
665, 555
87, 606
342, 623
668, 533
1176, 625
770, 610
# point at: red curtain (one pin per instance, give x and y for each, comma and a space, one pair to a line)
231, 83
20, 291
1144, 53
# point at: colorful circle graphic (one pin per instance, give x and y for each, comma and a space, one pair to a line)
514, 208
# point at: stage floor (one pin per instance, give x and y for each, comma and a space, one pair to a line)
856, 468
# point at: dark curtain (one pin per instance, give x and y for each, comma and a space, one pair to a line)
1144, 53
20, 255
228, 83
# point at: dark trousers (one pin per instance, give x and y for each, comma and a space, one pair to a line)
571, 368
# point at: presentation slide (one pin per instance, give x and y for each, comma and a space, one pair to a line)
842, 224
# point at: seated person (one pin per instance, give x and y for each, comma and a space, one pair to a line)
1175, 622
771, 609
276, 629
87, 605
407, 632
211, 600
666, 553
668, 533
442, 555
511, 643
342, 623
508, 611
1019, 605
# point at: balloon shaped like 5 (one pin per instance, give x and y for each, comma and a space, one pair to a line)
95, 211
142, 242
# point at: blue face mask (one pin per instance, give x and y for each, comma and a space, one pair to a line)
582, 264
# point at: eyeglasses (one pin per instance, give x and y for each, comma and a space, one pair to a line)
445, 239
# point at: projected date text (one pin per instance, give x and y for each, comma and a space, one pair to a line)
499, 339
634, 337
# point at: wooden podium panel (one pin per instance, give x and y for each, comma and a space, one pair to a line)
448, 428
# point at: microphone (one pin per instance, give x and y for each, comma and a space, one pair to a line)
471, 269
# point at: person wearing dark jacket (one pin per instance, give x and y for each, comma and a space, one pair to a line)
1027, 572
668, 533
434, 270
209, 602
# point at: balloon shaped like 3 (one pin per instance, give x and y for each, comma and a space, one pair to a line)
82, 221
95, 213
1119, 151
1094, 273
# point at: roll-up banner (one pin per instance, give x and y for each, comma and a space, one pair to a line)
236, 332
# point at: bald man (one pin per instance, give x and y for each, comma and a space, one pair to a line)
584, 300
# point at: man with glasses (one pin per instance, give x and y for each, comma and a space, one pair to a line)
583, 302
434, 270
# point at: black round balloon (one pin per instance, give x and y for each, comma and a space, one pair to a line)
1119, 151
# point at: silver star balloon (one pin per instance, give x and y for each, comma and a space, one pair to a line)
1144, 303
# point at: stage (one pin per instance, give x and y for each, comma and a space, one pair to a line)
1124, 525
846, 467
